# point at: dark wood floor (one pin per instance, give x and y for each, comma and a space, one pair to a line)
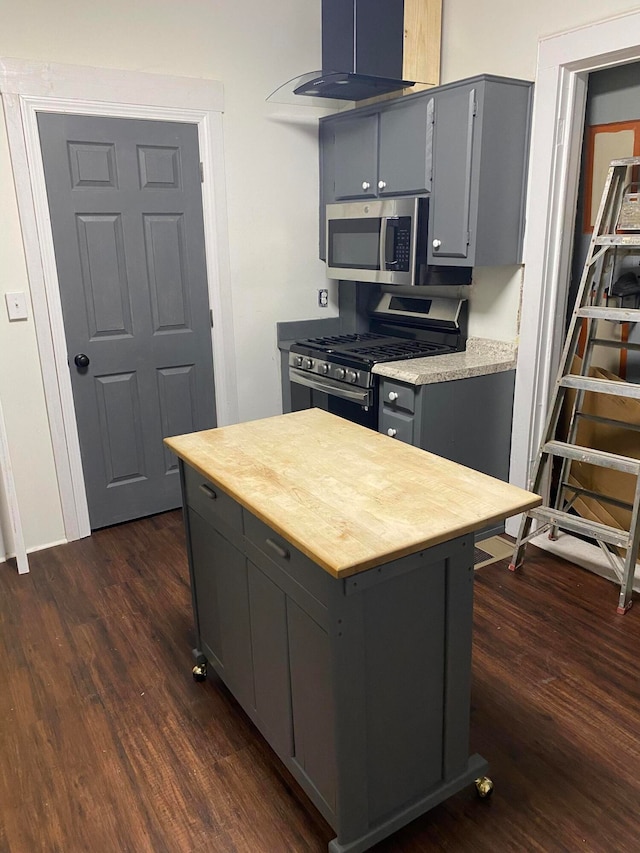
107, 743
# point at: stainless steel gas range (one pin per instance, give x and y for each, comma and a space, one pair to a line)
339, 369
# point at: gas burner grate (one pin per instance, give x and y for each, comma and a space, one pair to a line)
393, 351
332, 341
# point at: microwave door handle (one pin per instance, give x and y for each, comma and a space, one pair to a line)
384, 264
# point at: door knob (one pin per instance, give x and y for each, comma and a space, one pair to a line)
81, 360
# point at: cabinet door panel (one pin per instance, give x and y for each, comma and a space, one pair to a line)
356, 157
452, 175
222, 595
204, 556
312, 702
270, 659
405, 148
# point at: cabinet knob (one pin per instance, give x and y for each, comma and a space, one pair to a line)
366, 185
436, 243
391, 432
381, 185
393, 395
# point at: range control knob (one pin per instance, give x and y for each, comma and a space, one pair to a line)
352, 376
393, 395
339, 373
308, 363
391, 432
299, 361
324, 367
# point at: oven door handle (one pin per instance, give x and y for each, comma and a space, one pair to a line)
355, 395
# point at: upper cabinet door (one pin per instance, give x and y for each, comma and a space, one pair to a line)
453, 139
406, 136
356, 157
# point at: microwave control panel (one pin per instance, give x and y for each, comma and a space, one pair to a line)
399, 244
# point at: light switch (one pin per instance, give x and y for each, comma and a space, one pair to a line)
16, 306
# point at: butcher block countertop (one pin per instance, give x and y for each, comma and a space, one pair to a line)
482, 356
347, 497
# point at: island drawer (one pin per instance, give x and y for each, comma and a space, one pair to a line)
268, 549
209, 501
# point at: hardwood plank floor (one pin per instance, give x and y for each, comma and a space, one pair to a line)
107, 743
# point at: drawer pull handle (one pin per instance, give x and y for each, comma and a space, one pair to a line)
393, 396
283, 553
392, 432
208, 491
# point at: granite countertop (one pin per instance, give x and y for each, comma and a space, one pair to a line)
481, 356
347, 497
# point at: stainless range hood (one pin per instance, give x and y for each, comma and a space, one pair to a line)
362, 53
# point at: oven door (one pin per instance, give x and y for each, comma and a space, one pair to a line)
359, 405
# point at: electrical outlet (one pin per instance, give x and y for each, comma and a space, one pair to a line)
16, 306
323, 298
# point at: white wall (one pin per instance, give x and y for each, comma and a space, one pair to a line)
272, 180
271, 163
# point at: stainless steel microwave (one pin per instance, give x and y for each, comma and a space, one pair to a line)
382, 241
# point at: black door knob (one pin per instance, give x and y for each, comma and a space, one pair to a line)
81, 360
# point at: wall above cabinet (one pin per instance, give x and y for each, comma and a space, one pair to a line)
466, 144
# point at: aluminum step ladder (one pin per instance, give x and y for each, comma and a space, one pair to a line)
616, 237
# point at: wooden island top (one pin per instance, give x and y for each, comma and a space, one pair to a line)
349, 498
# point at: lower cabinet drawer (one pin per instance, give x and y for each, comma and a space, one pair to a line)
398, 395
397, 425
210, 501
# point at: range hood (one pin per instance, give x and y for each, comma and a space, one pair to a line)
362, 53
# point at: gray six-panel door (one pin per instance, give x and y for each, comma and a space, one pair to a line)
126, 215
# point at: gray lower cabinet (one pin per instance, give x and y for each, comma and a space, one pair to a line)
465, 420
361, 685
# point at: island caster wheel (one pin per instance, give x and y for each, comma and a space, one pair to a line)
199, 672
484, 787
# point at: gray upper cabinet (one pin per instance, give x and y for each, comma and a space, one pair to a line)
356, 157
466, 144
480, 154
366, 151
406, 126
449, 230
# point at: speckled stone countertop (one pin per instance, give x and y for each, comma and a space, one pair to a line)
481, 356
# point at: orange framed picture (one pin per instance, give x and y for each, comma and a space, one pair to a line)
605, 142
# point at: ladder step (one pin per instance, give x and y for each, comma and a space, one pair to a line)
617, 240
602, 312
588, 493
593, 457
607, 342
601, 386
612, 422
575, 524
624, 161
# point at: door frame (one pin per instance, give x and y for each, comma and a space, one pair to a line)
31, 87
564, 62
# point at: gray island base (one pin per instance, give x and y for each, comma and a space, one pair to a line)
332, 580
360, 684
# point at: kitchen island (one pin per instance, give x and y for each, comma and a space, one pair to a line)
332, 581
